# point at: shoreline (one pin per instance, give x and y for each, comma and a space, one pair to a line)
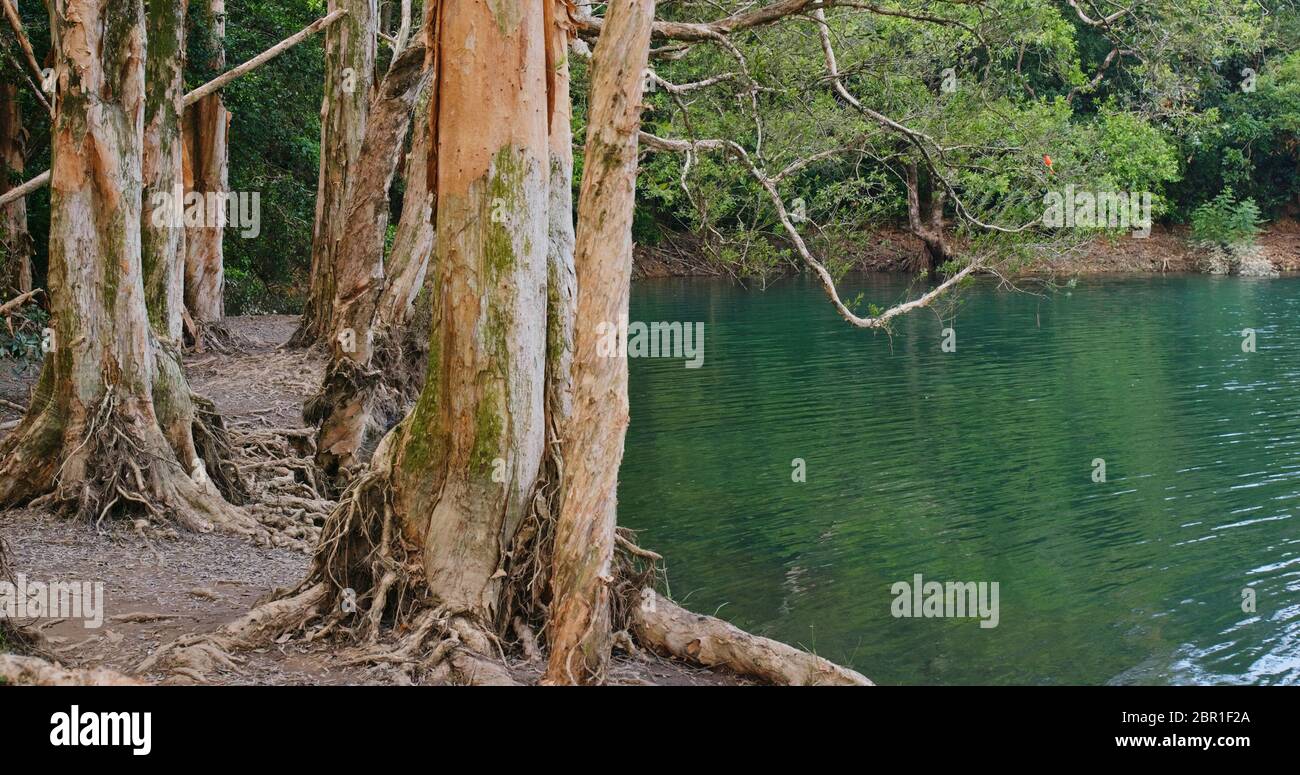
1166, 251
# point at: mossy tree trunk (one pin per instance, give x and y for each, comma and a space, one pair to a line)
450, 485
207, 152
350, 48
579, 629
464, 462
15, 241
110, 428
162, 233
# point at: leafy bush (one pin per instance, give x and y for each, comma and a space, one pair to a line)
1226, 222
20, 339
1226, 229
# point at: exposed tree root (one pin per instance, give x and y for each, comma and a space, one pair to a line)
212, 444
33, 671
289, 496
13, 638
163, 456
120, 466
673, 631
357, 404
365, 588
197, 656
527, 593
215, 336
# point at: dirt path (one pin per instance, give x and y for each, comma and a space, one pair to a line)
161, 585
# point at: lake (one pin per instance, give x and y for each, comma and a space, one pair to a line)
984, 464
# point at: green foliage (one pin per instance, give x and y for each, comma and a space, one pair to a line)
274, 147
20, 339
1226, 222
1031, 80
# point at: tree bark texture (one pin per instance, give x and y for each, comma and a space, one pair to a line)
580, 630
347, 406
15, 241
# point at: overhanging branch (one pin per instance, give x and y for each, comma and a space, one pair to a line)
656, 143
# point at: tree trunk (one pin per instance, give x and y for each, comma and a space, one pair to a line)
348, 406
580, 632
162, 232
925, 220
15, 242
668, 629
449, 486
466, 458
207, 151
349, 81
111, 427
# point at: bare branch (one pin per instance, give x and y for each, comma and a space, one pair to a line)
404, 30
19, 192
709, 31
1100, 21
686, 88
264, 57
916, 16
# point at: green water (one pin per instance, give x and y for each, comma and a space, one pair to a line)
977, 465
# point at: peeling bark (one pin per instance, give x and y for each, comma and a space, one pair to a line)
481, 410
407, 263
580, 633
355, 404
349, 82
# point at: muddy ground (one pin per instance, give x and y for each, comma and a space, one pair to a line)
159, 585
